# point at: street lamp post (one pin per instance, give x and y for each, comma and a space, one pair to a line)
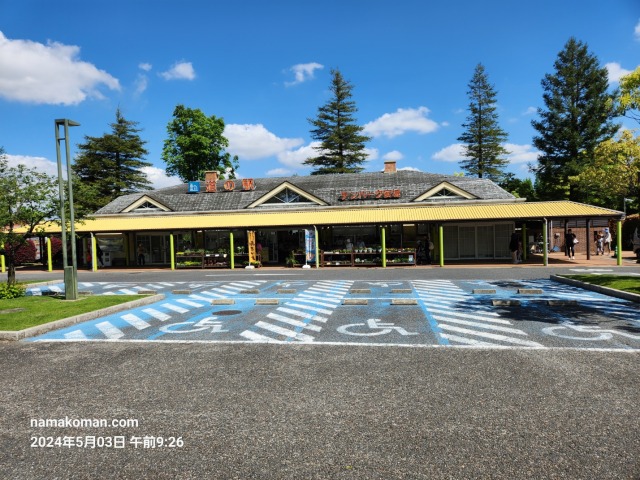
70, 271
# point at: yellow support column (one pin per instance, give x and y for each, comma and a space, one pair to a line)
524, 241
317, 248
2, 266
94, 254
383, 238
172, 252
49, 259
233, 261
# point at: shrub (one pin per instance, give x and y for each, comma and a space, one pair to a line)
25, 253
11, 291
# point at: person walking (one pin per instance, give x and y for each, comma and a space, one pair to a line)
570, 241
140, 254
514, 246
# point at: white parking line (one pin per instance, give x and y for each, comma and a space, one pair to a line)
135, 321
109, 330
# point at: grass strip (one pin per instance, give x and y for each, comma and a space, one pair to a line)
618, 282
25, 312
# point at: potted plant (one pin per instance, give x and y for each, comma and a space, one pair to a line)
291, 261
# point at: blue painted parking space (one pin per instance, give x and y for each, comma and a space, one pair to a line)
408, 312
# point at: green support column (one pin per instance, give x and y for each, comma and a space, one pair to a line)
49, 259
619, 243
317, 249
2, 266
524, 241
94, 255
172, 251
231, 256
441, 244
545, 250
383, 238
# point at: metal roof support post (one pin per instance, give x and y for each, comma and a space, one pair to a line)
94, 253
172, 252
441, 244
383, 239
317, 247
233, 260
49, 262
588, 239
619, 243
545, 240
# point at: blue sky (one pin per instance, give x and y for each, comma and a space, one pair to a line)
264, 66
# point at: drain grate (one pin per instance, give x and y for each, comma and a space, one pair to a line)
227, 312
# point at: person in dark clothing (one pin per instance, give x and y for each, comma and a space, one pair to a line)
99, 252
569, 244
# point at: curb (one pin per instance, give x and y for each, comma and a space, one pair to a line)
66, 322
632, 297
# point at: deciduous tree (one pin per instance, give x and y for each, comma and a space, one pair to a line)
341, 148
614, 173
629, 99
28, 199
195, 145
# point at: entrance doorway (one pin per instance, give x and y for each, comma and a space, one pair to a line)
156, 247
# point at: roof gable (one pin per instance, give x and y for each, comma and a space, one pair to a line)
286, 194
445, 191
146, 204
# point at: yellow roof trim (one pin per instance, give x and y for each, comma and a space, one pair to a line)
457, 190
327, 216
144, 199
280, 188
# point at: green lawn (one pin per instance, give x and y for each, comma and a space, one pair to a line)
618, 282
38, 310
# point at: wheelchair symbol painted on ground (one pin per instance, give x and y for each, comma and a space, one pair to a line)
585, 333
204, 324
374, 327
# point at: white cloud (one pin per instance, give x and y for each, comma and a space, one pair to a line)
521, 153
279, 172
636, 32
400, 122
615, 71
518, 153
145, 66
42, 164
303, 72
393, 155
48, 74
158, 177
294, 158
530, 111
445, 124
180, 71
255, 141
411, 169
452, 153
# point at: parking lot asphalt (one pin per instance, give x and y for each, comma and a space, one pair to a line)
300, 410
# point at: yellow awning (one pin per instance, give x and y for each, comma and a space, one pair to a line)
354, 215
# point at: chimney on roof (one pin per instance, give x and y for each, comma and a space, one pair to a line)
390, 166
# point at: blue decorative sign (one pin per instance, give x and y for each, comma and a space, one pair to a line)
194, 187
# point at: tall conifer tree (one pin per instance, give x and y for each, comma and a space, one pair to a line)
111, 165
578, 117
483, 137
341, 148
